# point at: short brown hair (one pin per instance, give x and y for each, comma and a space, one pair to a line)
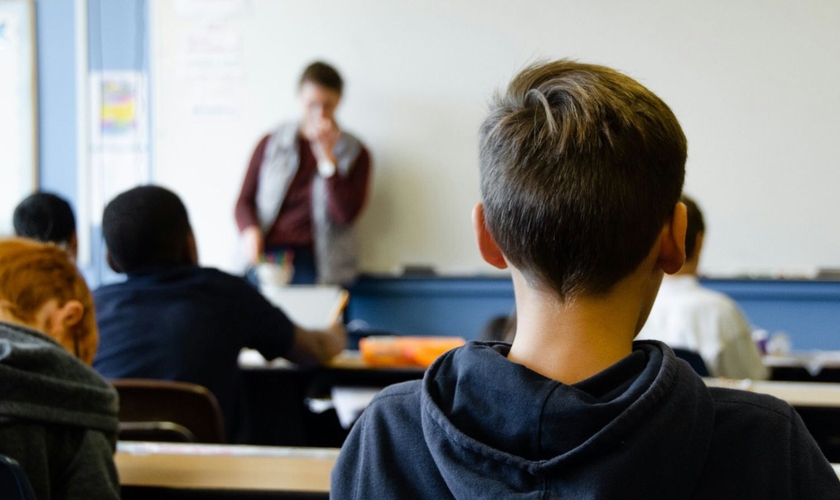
32, 274
696, 225
324, 75
580, 168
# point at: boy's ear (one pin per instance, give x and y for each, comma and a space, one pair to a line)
490, 251
192, 249
113, 265
69, 315
672, 249
62, 324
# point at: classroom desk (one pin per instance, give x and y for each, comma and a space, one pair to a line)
170, 471
797, 394
805, 366
167, 470
275, 395
278, 391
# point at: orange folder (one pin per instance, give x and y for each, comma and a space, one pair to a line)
405, 351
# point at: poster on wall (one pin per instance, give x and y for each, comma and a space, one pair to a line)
119, 136
118, 109
18, 146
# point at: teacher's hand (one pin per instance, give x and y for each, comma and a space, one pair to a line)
325, 135
252, 237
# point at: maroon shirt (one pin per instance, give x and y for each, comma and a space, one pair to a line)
293, 225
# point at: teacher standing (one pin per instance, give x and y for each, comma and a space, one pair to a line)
305, 186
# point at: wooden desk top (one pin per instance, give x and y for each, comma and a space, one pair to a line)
224, 467
803, 394
221, 467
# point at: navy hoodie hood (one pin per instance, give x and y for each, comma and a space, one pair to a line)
480, 426
487, 420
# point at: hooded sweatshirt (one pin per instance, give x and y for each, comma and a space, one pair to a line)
480, 426
58, 418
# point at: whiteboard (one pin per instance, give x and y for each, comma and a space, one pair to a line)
754, 84
18, 158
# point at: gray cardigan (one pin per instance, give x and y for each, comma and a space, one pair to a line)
58, 418
336, 250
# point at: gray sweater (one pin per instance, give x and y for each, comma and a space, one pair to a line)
58, 418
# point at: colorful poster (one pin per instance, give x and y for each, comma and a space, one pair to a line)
118, 110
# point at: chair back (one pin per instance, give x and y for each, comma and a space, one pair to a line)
162, 410
13, 482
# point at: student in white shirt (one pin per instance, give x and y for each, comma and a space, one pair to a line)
687, 315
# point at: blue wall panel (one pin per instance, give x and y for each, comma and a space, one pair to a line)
430, 306
808, 311
56, 39
117, 34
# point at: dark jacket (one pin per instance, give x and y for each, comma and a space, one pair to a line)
58, 418
187, 323
479, 426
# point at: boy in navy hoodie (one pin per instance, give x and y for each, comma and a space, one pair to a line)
581, 174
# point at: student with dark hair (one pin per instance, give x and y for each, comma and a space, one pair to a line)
47, 218
581, 173
174, 320
305, 186
58, 417
689, 316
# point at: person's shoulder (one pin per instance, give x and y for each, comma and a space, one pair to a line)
760, 448
748, 405
388, 436
215, 273
223, 284
703, 300
109, 289
284, 135
393, 420
395, 406
352, 136
404, 394
223, 278
747, 424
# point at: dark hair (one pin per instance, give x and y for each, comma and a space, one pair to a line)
696, 225
45, 217
324, 75
146, 226
580, 168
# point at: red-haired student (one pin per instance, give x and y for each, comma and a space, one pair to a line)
58, 417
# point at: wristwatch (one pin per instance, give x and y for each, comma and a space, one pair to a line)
326, 168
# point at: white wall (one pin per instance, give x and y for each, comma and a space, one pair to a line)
754, 84
18, 169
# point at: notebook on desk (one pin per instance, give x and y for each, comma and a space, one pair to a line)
308, 306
